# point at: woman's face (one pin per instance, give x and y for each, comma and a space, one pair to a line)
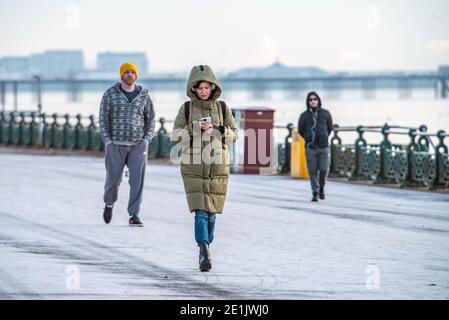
204, 90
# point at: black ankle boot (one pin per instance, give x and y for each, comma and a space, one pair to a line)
107, 213
322, 193
205, 260
315, 197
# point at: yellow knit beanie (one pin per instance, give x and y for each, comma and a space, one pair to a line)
128, 66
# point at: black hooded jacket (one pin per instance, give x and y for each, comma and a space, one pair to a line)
315, 126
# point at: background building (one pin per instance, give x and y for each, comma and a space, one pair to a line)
110, 62
59, 64
14, 67
278, 70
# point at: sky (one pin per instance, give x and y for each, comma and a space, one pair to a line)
353, 35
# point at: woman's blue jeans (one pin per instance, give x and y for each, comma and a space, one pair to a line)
204, 227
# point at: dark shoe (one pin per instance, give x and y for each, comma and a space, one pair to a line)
322, 193
315, 197
205, 260
135, 221
107, 214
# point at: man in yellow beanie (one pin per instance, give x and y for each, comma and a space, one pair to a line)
127, 121
128, 67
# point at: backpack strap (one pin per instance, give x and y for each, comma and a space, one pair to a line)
187, 110
223, 110
223, 113
187, 115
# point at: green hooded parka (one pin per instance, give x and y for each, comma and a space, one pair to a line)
204, 157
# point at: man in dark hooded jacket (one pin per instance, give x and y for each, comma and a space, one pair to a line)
315, 126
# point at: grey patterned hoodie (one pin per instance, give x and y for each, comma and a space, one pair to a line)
123, 122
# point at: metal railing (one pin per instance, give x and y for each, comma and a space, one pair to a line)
420, 163
283, 149
31, 129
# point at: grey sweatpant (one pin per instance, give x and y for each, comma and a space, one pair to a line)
135, 158
318, 161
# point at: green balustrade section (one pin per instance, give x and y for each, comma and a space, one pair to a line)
29, 129
283, 151
420, 163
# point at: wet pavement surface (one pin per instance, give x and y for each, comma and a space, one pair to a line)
271, 242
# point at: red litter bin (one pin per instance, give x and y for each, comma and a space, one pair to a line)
253, 151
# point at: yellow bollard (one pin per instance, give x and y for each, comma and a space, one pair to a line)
298, 164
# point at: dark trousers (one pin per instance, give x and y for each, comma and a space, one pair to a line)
318, 161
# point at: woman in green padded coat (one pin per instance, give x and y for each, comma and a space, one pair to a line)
204, 129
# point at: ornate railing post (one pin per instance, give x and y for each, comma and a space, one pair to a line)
12, 120
335, 137
154, 146
411, 148
160, 137
91, 133
288, 143
96, 143
163, 138
66, 131
54, 129
23, 138
334, 148
385, 150
6, 128
360, 143
58, 132
34, 130
284, 151
442, 162
3, 128
423, 140
79, 134
13, 130
46, 131
42, 129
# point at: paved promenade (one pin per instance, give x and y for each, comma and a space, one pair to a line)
362, 242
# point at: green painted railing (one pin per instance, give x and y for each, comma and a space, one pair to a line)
283, 150
29, 129
419, 163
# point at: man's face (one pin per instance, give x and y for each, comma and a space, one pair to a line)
129, 77
313, 101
